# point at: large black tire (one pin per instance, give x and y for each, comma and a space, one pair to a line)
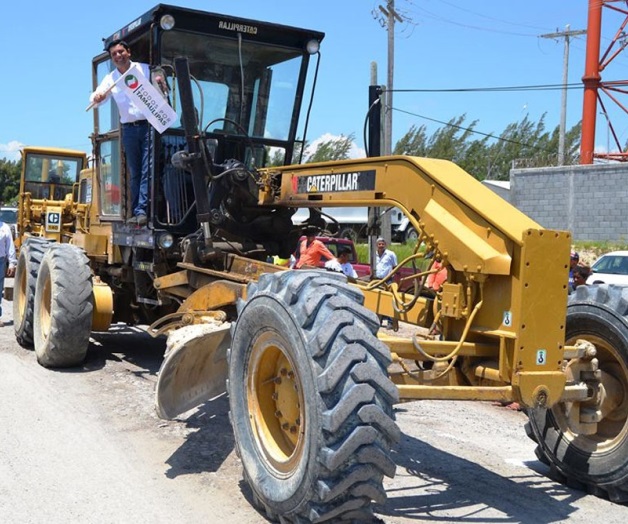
31, 254
349, 233
597, 463
411, 235
63, 307
310, 398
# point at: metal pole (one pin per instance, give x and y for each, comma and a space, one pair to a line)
375, 149
591, 81
390, 77
563, 106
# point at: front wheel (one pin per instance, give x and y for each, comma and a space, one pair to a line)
311, 402
596, 462
63, 307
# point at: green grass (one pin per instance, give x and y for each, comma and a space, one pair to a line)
600, 247
592, 250
402, 251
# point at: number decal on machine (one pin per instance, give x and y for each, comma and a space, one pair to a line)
53, 221
541, 357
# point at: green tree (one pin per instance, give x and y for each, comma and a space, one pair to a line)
521, 144
276, 155
413, 143
333, 149
474, 160
9, 181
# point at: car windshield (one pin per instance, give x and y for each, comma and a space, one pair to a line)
8, 215
612, 264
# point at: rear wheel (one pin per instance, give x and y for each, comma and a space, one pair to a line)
597, 462
349, 233
31, 254
63, 307
411, 235
311, 402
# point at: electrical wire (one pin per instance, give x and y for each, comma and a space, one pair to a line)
470, 130
541, 87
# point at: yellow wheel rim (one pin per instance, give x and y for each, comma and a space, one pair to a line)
46, 309
276, 404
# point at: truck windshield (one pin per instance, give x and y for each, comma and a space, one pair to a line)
50, 176
239, 87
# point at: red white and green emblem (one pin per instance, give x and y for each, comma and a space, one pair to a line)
131, 81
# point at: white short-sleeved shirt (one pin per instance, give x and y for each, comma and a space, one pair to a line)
129, 112
385, 263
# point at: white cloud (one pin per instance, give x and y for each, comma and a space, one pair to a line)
11, 151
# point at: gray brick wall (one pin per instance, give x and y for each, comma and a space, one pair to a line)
590, 201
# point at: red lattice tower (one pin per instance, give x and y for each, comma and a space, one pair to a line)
594, 87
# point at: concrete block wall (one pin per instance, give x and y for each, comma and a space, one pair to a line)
590, 201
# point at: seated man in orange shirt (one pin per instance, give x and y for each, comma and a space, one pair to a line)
311, 250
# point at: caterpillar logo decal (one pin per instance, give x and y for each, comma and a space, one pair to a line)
53, 221
336, 182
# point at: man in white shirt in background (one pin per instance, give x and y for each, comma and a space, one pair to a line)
385, 262
8, 260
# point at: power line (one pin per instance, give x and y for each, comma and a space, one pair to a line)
541, 87
470, 130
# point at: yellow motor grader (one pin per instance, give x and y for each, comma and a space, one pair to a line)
311, 380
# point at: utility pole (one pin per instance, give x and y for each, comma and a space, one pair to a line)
391, 16
566, 34
375, 149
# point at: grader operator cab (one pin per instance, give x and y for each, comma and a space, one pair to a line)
311, 382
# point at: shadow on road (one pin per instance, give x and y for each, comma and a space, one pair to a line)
125, 343
206, 449
454, 489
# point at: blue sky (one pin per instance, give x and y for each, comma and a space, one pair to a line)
443, 44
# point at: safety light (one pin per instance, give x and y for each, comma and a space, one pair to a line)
166, 22
313, 46
165, 240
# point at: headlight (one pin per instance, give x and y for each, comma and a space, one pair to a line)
166, 22
313, 46
165, 241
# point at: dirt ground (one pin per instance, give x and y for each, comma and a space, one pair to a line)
85, 445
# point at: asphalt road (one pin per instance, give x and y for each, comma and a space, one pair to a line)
85, 445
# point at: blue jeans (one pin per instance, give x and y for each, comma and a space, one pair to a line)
136, 143
3, 270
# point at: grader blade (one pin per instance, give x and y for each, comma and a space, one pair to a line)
194, 369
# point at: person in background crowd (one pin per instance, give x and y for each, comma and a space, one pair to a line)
385, 262
580, 275
574, 260
385, 259
8, 260
434, 281
278, 261
342, 265
311, 251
